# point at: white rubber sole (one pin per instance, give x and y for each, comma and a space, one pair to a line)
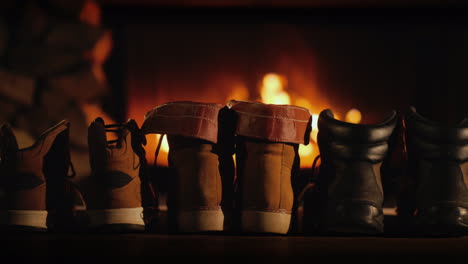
130, 216
265, 222
200, 221
30, 218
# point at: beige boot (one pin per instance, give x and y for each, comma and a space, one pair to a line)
268, 138
194, 198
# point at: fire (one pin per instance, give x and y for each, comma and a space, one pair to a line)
164, 143
272, 90
353, 116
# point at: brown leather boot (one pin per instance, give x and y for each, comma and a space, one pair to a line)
115, 202
34, 179
194, 198
268, 137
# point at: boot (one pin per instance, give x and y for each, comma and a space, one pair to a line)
34, 179
348, 197
115, 202
195, 192
434, 194
267, 141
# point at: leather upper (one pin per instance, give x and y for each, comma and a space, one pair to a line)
434, 141
277, 123
354, 141
182, 118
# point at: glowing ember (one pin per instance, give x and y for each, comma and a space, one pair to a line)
353, 116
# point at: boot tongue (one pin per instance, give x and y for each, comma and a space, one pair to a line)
8, 151
8, 143
97, 144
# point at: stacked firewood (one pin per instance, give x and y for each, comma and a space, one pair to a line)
51, 65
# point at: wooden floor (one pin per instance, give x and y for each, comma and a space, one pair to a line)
276, 248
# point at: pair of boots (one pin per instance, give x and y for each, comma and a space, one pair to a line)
347, 194
39, 195
209, 191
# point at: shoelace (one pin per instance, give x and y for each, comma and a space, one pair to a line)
312, 181
116, 128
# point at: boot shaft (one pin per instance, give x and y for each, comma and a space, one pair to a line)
437, 161
116, 166
266, 146
195, 192
264, 171
34, 177
197, 182
351, 158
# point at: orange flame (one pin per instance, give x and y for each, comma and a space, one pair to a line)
272, 90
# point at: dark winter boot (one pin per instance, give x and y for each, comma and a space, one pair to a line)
349, 196
434, 193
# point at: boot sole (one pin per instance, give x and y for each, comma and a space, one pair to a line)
442, 220
24, 220
200, 221
121, 219
265, 222
354, 219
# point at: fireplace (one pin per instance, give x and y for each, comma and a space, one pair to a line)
361, 62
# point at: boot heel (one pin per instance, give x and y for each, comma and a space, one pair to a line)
33, 220
265, 222
355, 219
201, 221
122, 218
443, 220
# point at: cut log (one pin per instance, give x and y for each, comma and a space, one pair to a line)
102, 49
73, 36
91, 13
38, 60
8, 109
38, 119
70, 9
81, 85
17, 88
33, 22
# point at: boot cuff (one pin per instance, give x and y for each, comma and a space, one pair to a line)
435, 141
277, 123
358, 133
188, 119
434, 131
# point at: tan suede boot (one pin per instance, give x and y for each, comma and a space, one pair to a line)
115, 203
268, 138
34, 179
195, 193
